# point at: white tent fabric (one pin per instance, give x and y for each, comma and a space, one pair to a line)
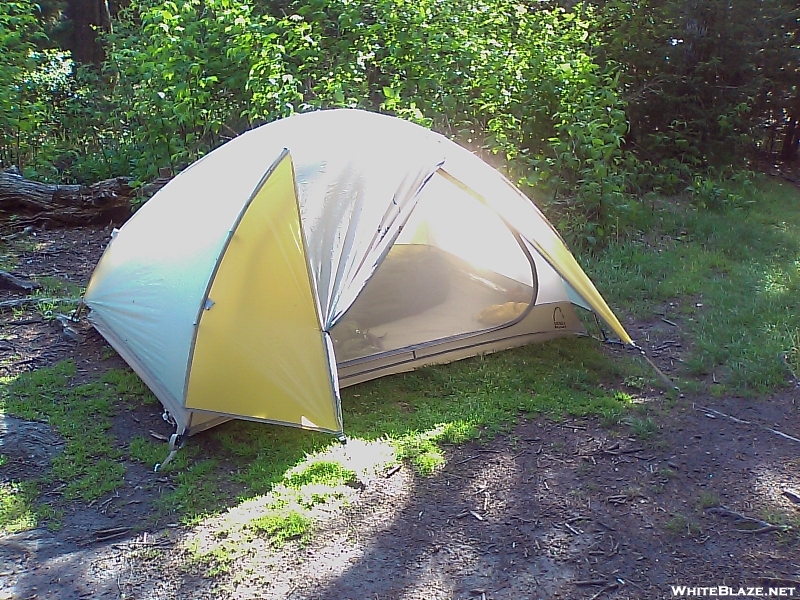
359, 177
353, 192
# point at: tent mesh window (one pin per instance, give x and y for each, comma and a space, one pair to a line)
455, 269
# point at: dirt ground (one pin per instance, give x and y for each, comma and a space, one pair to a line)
570, 510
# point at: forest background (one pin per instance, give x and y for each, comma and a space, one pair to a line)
588, 106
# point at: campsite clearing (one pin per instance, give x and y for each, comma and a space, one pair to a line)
502, 498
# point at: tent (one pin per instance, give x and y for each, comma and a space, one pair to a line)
320, 251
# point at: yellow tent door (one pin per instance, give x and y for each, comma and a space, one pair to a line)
259, 351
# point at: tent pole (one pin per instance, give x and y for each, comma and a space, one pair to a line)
600, 328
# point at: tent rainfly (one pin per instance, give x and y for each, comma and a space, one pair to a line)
320, 251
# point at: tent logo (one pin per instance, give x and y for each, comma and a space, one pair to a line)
559, 322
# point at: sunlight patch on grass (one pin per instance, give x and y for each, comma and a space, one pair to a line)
307, 493
16, 507
304, 478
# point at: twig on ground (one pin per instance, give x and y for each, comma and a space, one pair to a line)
578, 518
37, 300
721, 414
743, 422
21, 323
742, 519
393, 470
588, 582
572, 529
791, 495
625, 451
103, 535
783, 435
523, 519
778, 581
609, 588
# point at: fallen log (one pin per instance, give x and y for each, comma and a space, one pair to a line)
20, 284
27, 202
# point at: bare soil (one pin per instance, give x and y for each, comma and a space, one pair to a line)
706, 494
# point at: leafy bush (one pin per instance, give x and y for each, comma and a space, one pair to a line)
516, 84
586, 107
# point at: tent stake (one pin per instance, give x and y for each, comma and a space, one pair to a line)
176, 442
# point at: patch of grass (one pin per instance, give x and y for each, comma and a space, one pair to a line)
667, 473
323, 472
150, 453
58, 286
707, 500
281, 528
643, 428
89, 465
217, 560
128, 386
197, 493
423, 412
107, 353
479, 397
17, 512
679, 524
789, 521
290, 475
635, 382
734, 278
49, 308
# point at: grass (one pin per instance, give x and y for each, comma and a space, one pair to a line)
149, 453
708, 500
643, 428
679, 524
413, 417
17, 512
282, 528
733, 279
81, 414
89, 466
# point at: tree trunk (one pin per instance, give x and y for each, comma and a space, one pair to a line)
87, 17
32, 202
789, 146
791, 135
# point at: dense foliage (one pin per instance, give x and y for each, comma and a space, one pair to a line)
587, 105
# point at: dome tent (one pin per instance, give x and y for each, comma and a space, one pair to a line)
320, 251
